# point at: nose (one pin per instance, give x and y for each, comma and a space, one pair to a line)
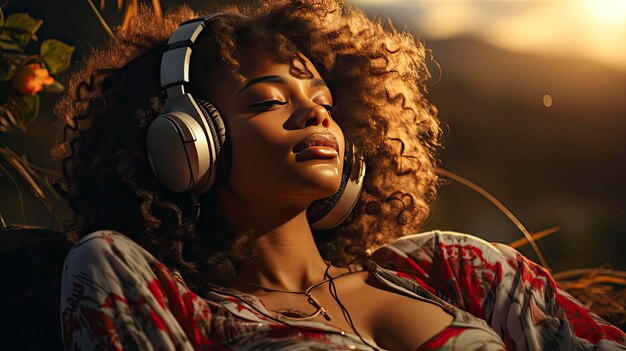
310, 115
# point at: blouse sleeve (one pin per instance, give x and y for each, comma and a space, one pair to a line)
515, 296
116, 296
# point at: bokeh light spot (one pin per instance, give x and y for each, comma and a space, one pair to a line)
547, 100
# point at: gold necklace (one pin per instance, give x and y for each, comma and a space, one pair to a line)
296, 315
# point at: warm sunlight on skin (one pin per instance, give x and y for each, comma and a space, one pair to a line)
591, 29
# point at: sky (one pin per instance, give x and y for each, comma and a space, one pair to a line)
592, 29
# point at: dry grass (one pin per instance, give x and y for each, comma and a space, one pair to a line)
602, 290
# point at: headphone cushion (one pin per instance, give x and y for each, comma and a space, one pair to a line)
215, 122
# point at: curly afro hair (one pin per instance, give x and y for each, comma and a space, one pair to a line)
116, 94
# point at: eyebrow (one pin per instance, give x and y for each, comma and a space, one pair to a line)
279, 79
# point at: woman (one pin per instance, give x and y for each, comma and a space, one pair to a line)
201, 229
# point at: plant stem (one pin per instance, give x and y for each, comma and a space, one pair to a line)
102, 21
498, 204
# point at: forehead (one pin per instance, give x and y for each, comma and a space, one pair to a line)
255, 63
223, 89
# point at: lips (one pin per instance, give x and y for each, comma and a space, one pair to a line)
317, 139
317, 146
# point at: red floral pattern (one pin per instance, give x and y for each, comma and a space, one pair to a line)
518, 298
440, 339
116, 296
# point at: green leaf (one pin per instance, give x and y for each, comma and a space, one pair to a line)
1, 17
55, 87
31, 102
22, 26
25, 110
9, 62
56, 54
8, 43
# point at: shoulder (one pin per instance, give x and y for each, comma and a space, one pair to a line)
107, 262
109, 257
101, 245
114, 292
438, 243
103, 239
441, 236
463, 269
457, 267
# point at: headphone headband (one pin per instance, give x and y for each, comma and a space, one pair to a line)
175, 62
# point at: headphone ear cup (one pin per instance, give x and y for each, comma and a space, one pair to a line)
329, 212
217, 128
216, 124
178, 150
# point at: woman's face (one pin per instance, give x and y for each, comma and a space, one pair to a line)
267, 121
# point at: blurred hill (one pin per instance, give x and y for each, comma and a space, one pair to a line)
563, 164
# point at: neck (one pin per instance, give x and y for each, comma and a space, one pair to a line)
286, 256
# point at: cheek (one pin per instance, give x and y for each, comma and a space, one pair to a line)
265, 141
258, 157
263, 164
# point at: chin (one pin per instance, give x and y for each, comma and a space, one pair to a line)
324, 189
325, 178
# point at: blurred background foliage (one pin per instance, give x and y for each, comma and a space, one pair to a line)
26, 69
531, 94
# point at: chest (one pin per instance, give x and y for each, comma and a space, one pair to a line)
378, 313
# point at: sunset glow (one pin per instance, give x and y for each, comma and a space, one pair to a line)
592, 29
611, 11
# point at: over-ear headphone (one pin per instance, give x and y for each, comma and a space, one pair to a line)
186, 139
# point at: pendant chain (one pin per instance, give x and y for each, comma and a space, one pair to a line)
288, 314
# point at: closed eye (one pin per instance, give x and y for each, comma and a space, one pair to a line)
268, 103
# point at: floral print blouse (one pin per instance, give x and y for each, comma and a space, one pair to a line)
117, 296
